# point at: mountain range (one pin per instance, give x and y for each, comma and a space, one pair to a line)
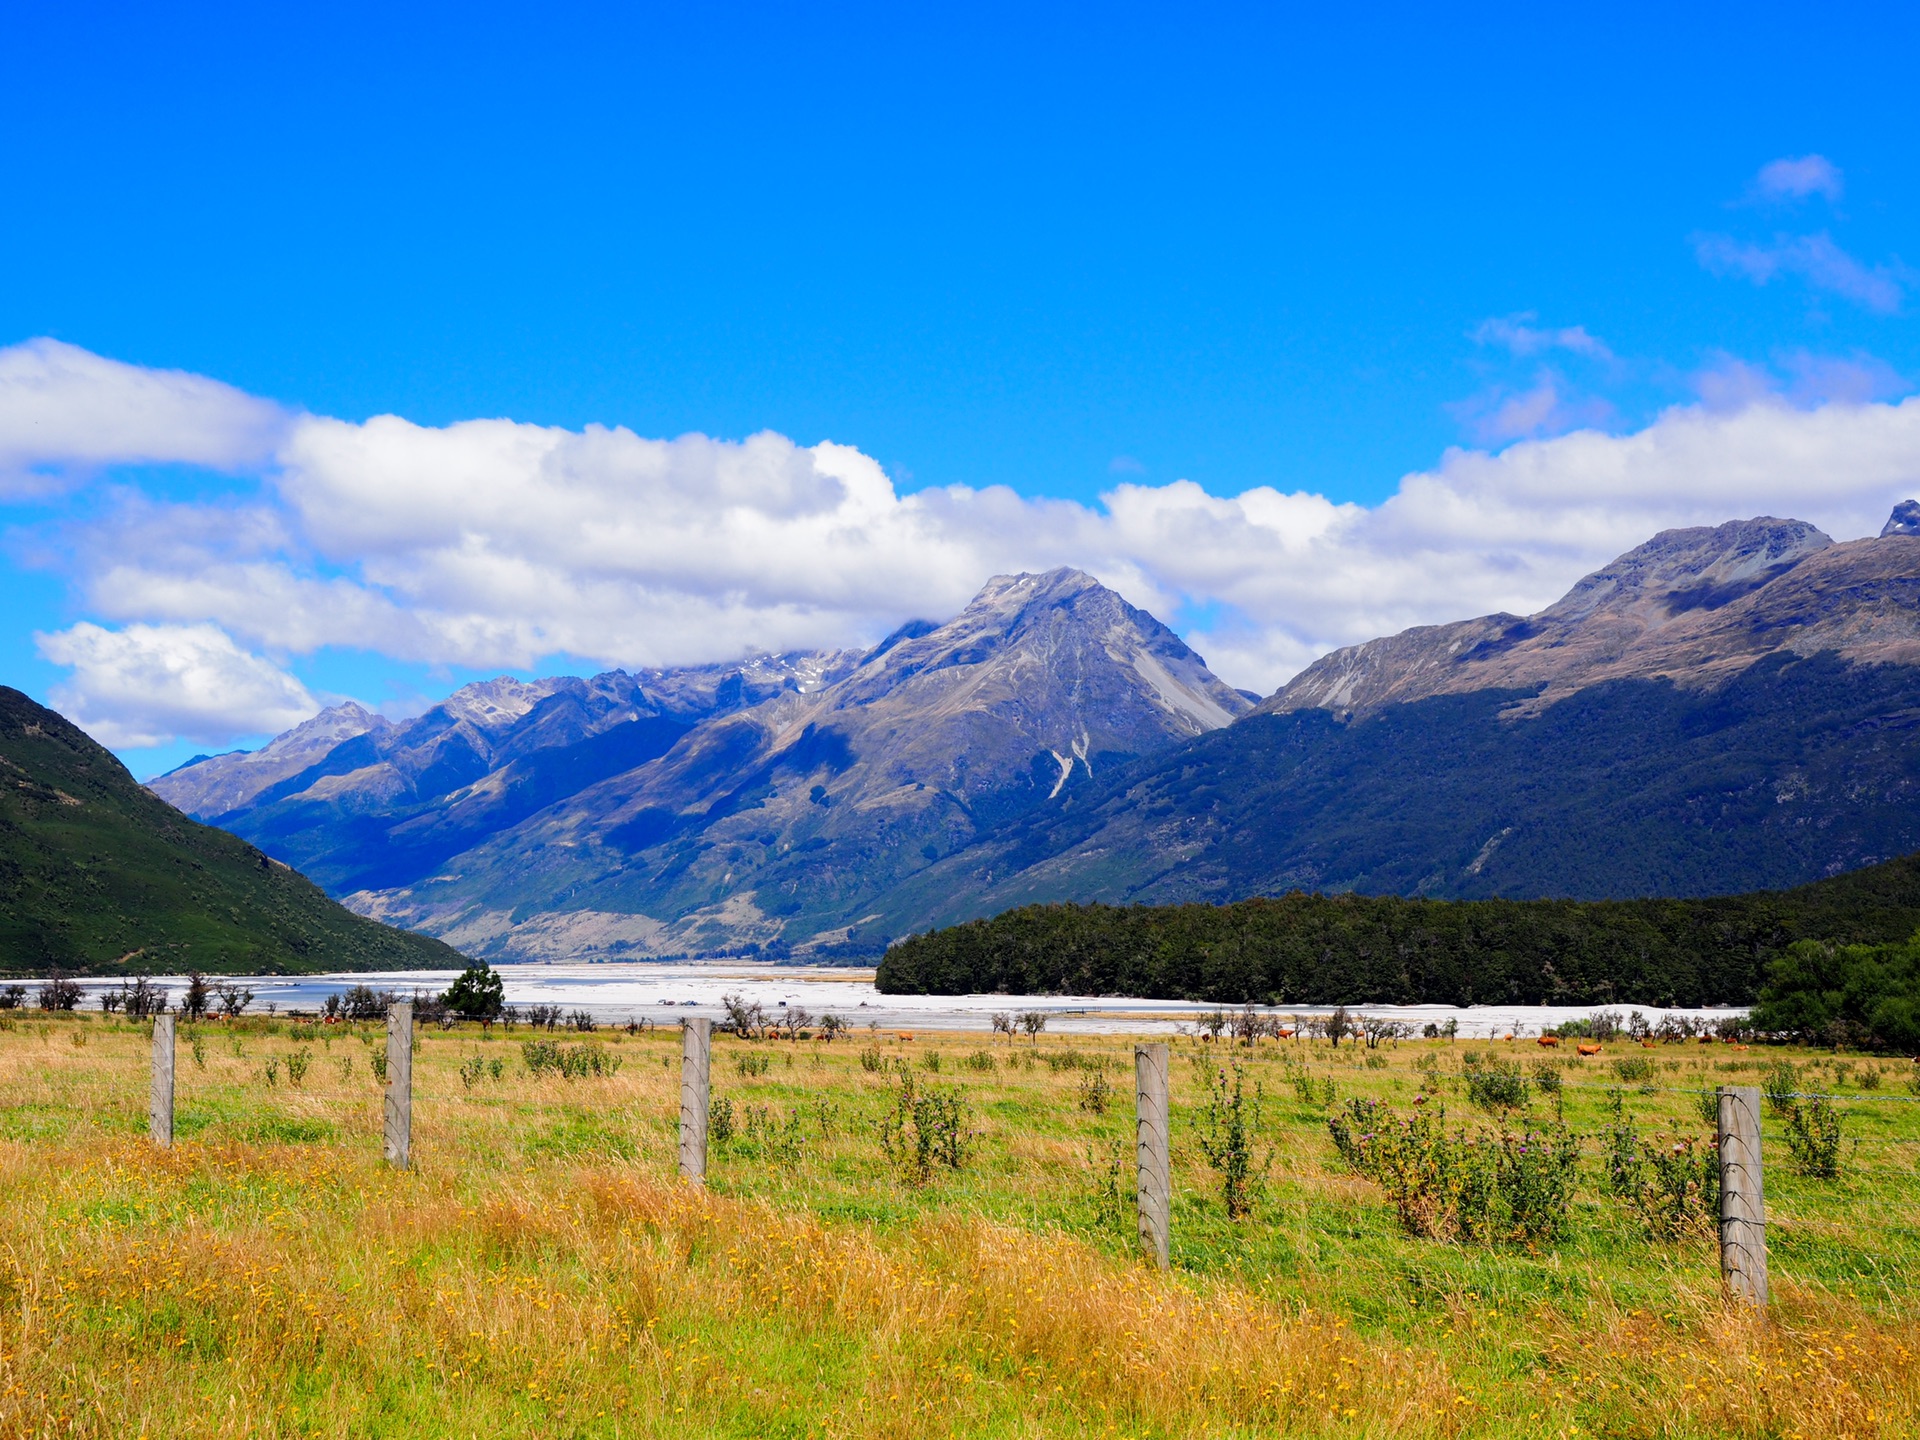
98, 875
769, 807
1721, 709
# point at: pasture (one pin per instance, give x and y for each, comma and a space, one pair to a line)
923, 1237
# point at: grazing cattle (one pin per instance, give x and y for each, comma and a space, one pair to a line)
1589, 1048
1549, 1041
1284, 1034
903, 1035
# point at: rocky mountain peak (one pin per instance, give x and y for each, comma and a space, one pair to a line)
1905, 520
1695, 606
213, 785
1700, 567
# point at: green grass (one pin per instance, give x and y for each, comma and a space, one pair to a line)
542, 1272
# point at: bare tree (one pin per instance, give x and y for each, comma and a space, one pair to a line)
1003, 1024
797, 1019
830, 1027
1213, 1022
235, 998
1375, 1030
746, 1018
59, 993
1337, 1026
198, 997
1033, 1022
1248, 1025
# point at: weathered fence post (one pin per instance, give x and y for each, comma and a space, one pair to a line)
696, 1058
1155, 1189
160, 1093
1743, 1203
399, 1130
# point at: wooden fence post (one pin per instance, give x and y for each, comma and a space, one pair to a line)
1154, 1194
1743, 1204
696, 1058
160, 1092
399, 1128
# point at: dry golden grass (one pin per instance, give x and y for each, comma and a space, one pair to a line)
543, 1273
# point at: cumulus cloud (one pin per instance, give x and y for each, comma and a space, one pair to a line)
148, 684
1815, 259
493, 544
64, 410
1794, 177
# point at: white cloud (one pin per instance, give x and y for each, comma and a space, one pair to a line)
1512, 332
148, 684
66, 410
1796, 177
496, 544
1816, 259
1547, 407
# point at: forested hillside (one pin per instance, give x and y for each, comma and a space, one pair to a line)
97, 874
1326, 949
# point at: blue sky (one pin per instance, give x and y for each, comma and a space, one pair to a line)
1057, 250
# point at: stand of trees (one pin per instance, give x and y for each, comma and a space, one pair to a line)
1309, 949
1845, 995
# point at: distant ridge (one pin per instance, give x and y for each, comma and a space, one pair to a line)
99, 876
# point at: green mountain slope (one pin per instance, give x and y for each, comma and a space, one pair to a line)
99, 875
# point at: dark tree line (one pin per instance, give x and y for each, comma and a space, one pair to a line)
1309, 949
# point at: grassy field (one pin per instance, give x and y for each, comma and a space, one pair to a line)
541, 1272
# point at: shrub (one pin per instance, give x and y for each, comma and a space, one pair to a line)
982, 1061
1317, 1093
1869, 1077
873, 1059
1228, 1131
377, 1061
1095, 1093
930, 1062
1484, 1189
59, 993
783, 1142
297, 1064
1814, 1137
1634, 1069
12, 997
1497, 1087
752, 1062
925, 1128
570, 1062
1672, 1187
1547, 1076
1781, 1084
720, 1122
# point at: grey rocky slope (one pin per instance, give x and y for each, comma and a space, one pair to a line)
779, 822
1695, 606
355, 801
